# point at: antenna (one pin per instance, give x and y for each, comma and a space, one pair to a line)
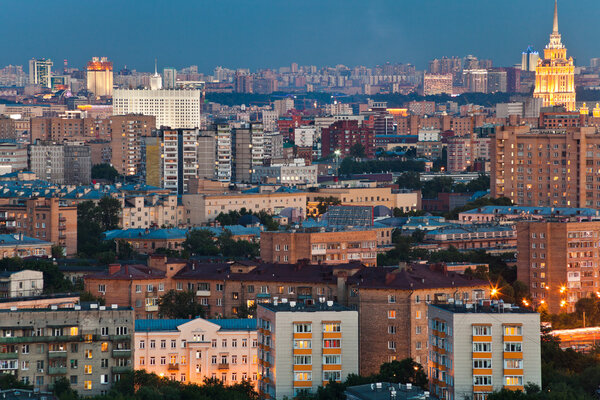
155, 67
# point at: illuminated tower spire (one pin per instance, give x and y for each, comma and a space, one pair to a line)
156, 79
555, 25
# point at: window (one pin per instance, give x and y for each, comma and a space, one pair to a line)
87, 385
142, 361
104, 379
513, 330
302, 328
163, 361
332, 327
482, 363
332, 359
512, 347
392, 314
482, 380
104, 331
213, 360
513, 380
302, 344
482, 347
73, 364
391, 298
173, 344
392, 345
244, 342
138, 288
224, 343
88, 353
102, 289
332, 343
153, 344
513, 364
332, 376
152, 361
391, 329
161, 287
25, 349
121, 330
302, 360
219, 287
479, 330
244, 360
213, 343
142, 344
303, 376
418, 315
87, 369
234, 359
163, 344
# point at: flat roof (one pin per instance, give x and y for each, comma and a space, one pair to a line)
301, 307
484, 307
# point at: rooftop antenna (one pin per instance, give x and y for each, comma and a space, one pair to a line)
155, 67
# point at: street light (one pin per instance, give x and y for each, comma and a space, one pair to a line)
337, 153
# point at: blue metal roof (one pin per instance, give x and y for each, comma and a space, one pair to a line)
165, 325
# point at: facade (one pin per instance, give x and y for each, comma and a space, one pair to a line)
330, 247
566, 180
172, 108
480, 348
303, 347
555, 73
460, 154
88, 345
247, 145
100, 77
476, 80
392, 307
22, 283
437, 84
14, 155
42, 219
192, 350
295, 173
344, 134
150, 211
126, 136
557, 261
179, 158
40, 72
529, 60
63, 164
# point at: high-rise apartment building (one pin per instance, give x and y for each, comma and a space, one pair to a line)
89, 345
127, 133
100, 76
344, 134
179, 158
247, 145
224, 153
558, 261
302, 347
475, 80
555, 74
169, 78
496, 81
14, 155
477, 349
549, 167
40, 72
437, 84
63, 164
529, 59
173, 108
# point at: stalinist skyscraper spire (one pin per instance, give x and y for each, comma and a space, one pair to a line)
555, 74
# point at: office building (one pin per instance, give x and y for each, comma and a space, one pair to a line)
24, 283
100, 77
434, 84
392, 305
529, 59
557, 261
173, 108
44, 219
303, 347
63, 164
555, 74
547, 167
90, 346
40, 72
192, 350
477, 349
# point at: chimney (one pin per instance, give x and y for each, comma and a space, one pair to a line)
158, 261
389, 278
113, 268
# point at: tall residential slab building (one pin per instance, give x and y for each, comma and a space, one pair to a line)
40, 72
555, 73
173, 108
63, 164
558, 261
477, 349
127, 133
100, 77
548, 167
303, 347
247, 150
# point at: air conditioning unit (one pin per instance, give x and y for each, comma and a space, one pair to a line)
41, 370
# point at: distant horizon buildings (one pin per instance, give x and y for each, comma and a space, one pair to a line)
100, 77
40, 72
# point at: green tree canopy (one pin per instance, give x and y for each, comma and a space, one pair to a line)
105, 172
180, 304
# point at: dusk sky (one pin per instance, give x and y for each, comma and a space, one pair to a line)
261, 33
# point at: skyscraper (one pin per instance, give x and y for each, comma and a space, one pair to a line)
100, 76
529, 59
40, 72
555, 74
169, 78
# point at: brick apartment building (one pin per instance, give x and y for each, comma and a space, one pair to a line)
392, 308
550, 167
558, 261
42, 218
344, 134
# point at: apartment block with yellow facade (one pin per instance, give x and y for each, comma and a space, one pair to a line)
190, 350
477, 349
303, 347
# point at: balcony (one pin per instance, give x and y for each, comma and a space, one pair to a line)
62, 236
120, 369
203, 293
173, 367
119, 337
57, 370
9, 356
121, 353
151, 308
62, 227
224, 366
41, 339
57, 354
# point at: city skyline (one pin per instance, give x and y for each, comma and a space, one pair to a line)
389, 32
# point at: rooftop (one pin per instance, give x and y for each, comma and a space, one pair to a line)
292, 306
80, 307
484, 307
385, 391
157, 325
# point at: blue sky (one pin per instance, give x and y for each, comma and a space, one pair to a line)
273, 33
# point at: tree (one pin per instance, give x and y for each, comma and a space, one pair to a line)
358, 151
108, 211
201, 242
62, 389
92, 221
57, 251
105, 172
229, 247
404, 371
180, 304
410, 180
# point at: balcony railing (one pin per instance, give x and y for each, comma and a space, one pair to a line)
122, 353
9, 356
151, 308
120, 369
57, 354
173, 367
224, 366
57, 370
203, 293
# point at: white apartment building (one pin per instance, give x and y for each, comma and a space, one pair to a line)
294, 173
21, 283
191, 350
179, 157
224, 153
303, 347
173, 108
305, 136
